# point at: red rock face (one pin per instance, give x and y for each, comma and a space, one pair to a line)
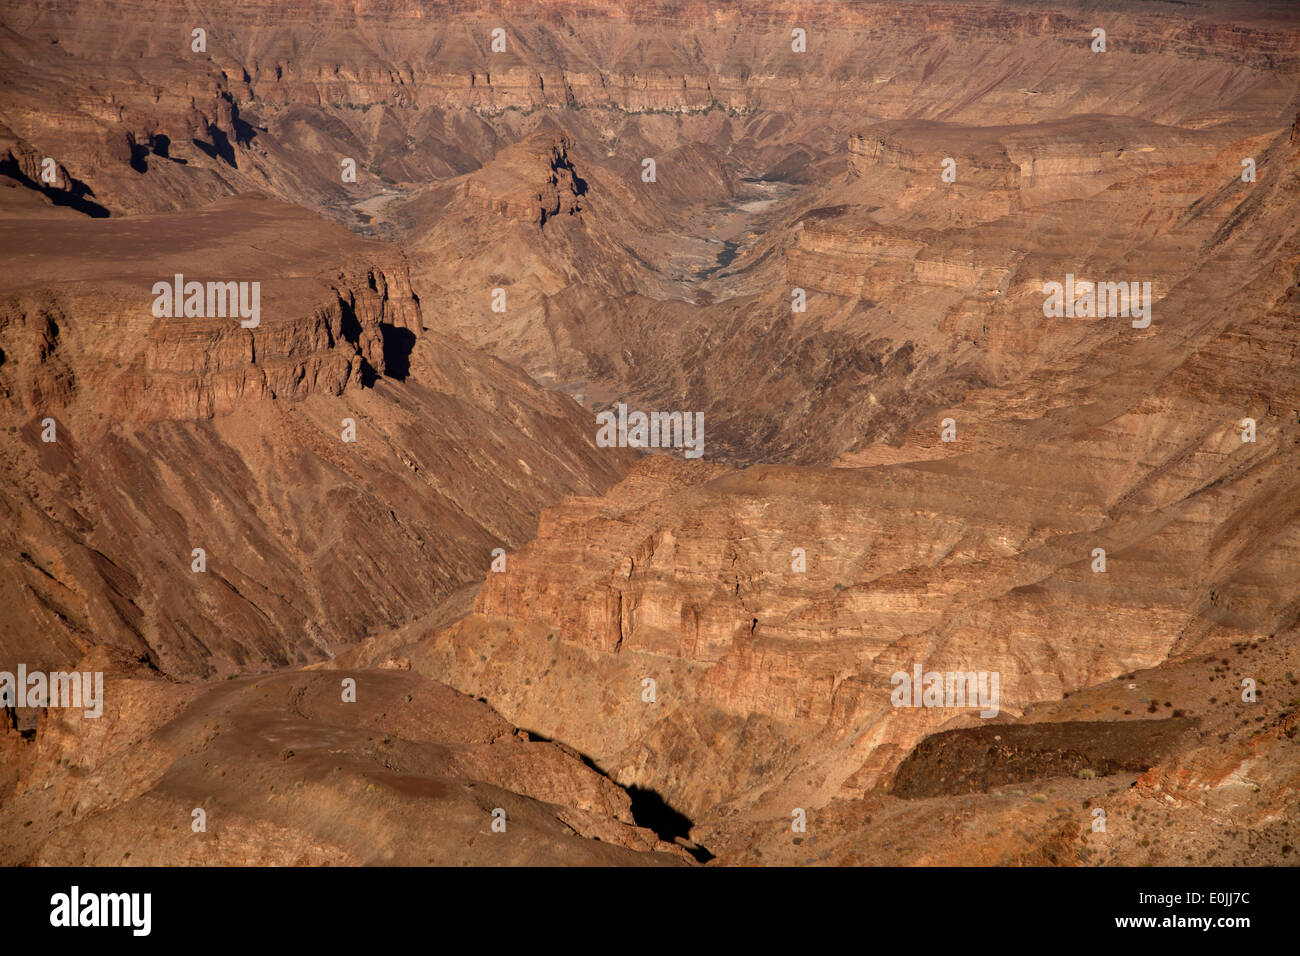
466, 244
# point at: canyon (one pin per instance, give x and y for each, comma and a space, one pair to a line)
393, 485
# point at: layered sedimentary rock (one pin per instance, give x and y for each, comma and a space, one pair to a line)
530, 181
276, 97
1050, 140
339, 467
840, 256
773, 681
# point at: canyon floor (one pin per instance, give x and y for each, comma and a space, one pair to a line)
365, 582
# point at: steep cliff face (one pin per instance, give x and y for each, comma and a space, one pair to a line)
108, 352
829, 228
339, 467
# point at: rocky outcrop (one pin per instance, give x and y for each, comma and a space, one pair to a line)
531, 181
214, 498
100, 335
